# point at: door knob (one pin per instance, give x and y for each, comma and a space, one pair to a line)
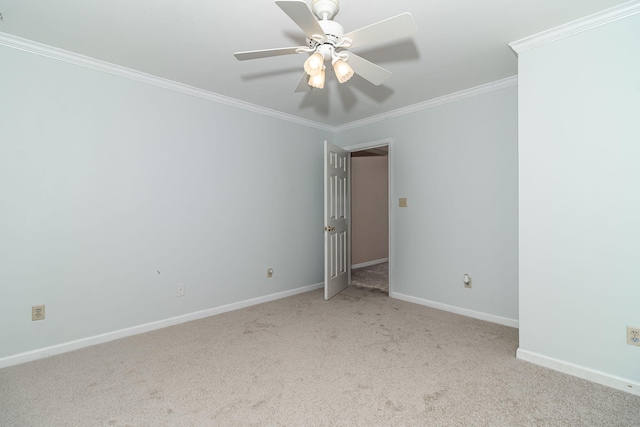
329, 228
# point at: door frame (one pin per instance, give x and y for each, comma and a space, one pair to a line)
386, 142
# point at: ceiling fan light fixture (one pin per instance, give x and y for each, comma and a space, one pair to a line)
314, 64
343, 70
327, 41
317, 81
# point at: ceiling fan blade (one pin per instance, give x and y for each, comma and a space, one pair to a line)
303, 85
368, 70
299, 12
265, 53
391, 29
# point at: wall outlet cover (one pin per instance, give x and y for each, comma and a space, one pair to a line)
37, 312
633, 336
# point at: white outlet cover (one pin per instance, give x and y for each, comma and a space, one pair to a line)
180, 291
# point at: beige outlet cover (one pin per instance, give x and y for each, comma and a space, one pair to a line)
633, 336
402, 202
37, 312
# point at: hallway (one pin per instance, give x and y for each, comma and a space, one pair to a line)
373, 276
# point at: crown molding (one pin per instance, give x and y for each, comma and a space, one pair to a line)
574, 27
117, 70
435, 102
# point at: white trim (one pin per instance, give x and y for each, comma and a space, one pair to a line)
106, 67
369, 145
432, 103
147, 327
370, 263
458, 310
574, 27
127, 73
588, 374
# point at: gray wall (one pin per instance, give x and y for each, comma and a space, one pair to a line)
580, 201
457, 166
105, 181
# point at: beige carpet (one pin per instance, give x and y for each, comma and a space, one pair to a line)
360, 359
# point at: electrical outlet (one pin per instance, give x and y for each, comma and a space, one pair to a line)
466, 279
269, 272
402, 202
37, 312
633, 336
180, 291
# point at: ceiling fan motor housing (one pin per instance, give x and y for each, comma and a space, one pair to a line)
325, 9
332, 30
332, 34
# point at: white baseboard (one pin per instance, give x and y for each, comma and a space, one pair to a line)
458, 310
370, 263
147, 327
588, 374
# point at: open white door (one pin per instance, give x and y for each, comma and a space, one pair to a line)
337, 201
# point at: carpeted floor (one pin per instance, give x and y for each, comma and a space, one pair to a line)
373, 277
360, 359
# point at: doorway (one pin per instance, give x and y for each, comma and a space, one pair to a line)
370, 215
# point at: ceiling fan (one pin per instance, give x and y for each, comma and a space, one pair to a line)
326, 41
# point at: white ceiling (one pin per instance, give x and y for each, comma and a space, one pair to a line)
460, 44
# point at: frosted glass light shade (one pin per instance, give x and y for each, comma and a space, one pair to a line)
343, 70
314, 64
317, 81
